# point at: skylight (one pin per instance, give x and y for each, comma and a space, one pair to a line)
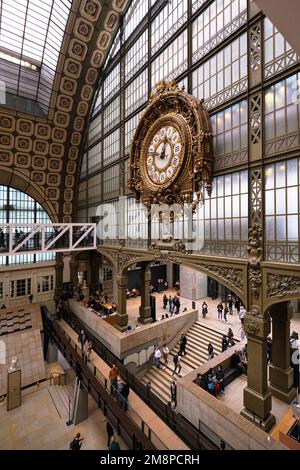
31, 33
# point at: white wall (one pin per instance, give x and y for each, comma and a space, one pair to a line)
31, 271
193, 284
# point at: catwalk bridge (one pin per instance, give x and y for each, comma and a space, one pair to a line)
46, 238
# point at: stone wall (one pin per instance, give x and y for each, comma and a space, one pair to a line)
27, 347
203, 409
138, 345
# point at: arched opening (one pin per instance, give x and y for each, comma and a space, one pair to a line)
24, 278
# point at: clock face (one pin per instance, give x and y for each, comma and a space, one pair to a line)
164, 154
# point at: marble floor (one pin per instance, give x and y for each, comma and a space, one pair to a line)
36, 425
233, 398
211, 320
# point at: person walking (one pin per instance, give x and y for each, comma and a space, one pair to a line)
113, 377
226, 310
157, 356
77, 442
110, 432
125, 392
170, 305
177, 361
204, 309
230, 305
230, 334
210, 350
165, 301
224, 343
114, 445
237, 305
220, 311
182, 347
82, 340
165, 354
173, 389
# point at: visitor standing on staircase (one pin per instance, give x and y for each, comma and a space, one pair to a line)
210, 350
224, 343
157, 356
182, 347
165, 354
177, 361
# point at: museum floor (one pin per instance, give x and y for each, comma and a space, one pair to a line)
39, 425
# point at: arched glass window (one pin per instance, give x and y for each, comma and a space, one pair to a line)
18, 207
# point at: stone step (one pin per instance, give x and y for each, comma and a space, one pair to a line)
205, 333
199, 344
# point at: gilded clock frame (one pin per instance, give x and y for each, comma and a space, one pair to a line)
168, 120
195, 173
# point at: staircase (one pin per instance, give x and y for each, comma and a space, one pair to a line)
60, 396
198, 337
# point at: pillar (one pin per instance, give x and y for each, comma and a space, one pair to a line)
193, 284
122, 317
281, 374
66, 269
145, 309
170, 275
257, 396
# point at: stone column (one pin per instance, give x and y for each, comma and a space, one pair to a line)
170, 274
66, 270
281, 374
257, 397
122, 317
145, 309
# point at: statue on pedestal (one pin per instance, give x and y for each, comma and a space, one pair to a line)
14, 364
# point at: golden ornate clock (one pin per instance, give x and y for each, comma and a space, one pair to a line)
171, 153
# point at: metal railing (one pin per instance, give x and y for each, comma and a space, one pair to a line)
117, 396
192, 436
128, 424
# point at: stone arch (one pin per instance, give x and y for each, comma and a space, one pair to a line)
16, 179
233, 277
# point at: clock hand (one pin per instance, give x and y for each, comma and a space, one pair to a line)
163, 152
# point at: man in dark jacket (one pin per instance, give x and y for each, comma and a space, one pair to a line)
183, 342
77, 442
125, 393
173, 389
110, 432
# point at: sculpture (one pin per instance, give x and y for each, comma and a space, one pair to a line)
14, 364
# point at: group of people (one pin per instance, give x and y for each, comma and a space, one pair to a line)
228, 310
173, 304
119, 387
213, 381
158, 355
86, 345
228, 340
239, 360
